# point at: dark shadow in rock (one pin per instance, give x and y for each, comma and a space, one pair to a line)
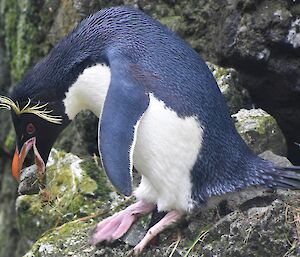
260, 201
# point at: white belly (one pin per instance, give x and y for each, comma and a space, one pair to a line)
165, 152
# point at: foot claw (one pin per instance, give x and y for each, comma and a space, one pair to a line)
170, 218
137, 250
130, 253
133, 252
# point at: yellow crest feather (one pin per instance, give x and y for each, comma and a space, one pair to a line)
38, 109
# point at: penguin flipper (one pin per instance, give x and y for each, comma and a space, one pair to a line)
124, 105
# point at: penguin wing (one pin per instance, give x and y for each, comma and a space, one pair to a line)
124, 105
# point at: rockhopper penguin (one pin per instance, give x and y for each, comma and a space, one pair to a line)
160, 110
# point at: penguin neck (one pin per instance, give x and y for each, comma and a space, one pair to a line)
88, 92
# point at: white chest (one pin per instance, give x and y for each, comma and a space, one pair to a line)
89, 91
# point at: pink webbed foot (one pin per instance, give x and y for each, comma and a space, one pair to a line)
116, 226
166, 221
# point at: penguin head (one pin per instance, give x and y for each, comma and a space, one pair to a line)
37, 126
37, 103
38, 111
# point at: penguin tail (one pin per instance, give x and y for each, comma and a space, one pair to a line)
282, 177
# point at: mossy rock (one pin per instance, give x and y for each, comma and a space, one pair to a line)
260, 131
58, 241
259, 231
235, 95
74, 189
254, 222
266, 230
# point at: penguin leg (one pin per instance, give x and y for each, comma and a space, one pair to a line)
165, 222
117, 225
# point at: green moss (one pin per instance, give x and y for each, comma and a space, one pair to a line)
92, 170
261, 132
265, 122
25, 31
20, 35
97, 174
10, 21
172, 22
88, 186
217, 71
30, 217
10, 140
26, 39
74, 234
72, 190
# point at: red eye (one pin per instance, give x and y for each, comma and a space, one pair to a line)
30, 129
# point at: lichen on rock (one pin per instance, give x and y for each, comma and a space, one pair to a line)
255, 232
293, 36
235, 95
74, 189
69, 239
254, 222
260, 131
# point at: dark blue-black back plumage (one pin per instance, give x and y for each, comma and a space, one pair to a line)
170, 69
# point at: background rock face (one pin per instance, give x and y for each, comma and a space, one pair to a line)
259, 39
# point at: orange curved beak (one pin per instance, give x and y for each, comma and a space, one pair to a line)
15, 165
19, 158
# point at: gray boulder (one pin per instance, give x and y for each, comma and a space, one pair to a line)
260, 131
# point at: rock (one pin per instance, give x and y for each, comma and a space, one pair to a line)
293, 36
260, 39
8, 229
71, 239
235, 95
28, 184
260, 131
59, 241
247, 223
81, 136
258, 231
252, 221
278, 160
74, 188
4, 69
259, 226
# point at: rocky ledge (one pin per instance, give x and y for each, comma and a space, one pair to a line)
60, 218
